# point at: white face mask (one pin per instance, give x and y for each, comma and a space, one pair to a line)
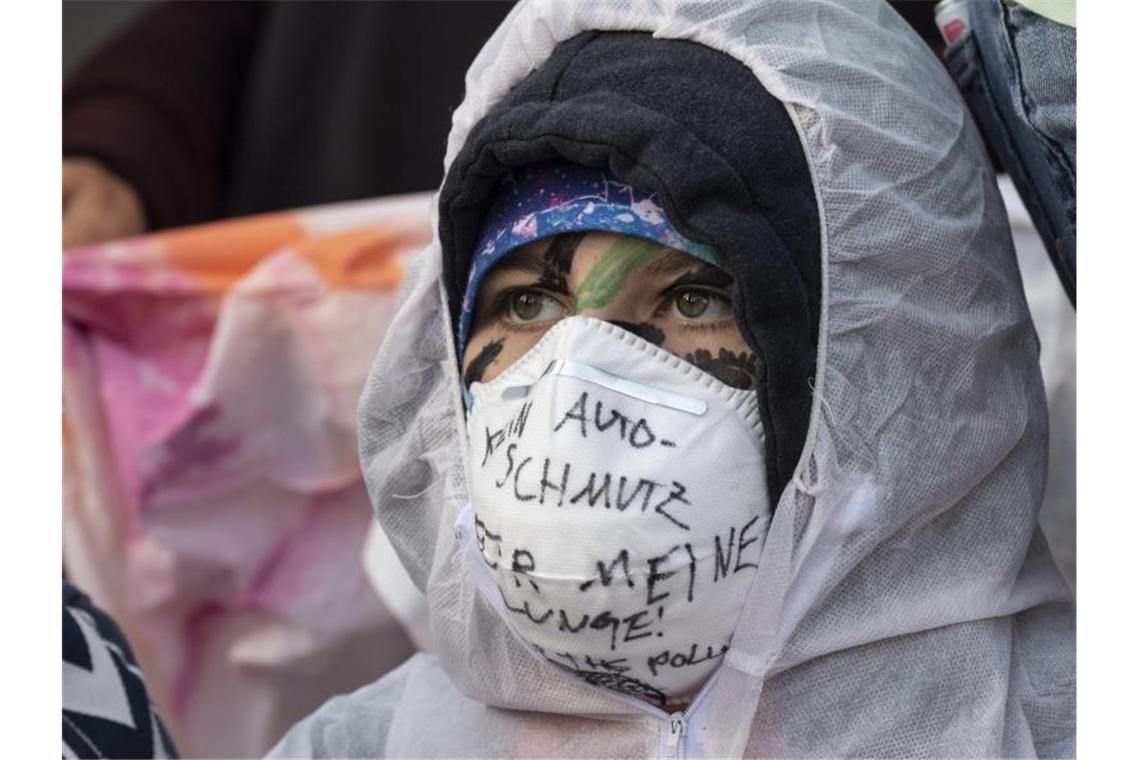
620, 506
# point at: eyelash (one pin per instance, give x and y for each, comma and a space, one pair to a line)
706, 326
502, 303
669, 295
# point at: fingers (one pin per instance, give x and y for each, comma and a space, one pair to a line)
97, 205
71, 177
84, 223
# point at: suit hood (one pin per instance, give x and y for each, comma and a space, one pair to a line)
904, 598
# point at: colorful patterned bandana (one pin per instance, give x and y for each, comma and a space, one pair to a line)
556, 197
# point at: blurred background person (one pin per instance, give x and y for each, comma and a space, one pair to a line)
204, 110
107, 711
196, 111
1016, 64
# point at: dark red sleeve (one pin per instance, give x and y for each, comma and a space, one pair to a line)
156, 104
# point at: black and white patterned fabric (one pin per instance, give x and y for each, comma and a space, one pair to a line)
106, 709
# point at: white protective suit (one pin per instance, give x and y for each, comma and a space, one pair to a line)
905, 603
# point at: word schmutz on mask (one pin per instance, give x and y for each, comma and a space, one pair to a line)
560, 482
622, 535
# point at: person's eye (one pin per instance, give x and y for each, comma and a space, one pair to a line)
533, 306
704, 305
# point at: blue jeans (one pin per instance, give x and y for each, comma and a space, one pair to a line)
1018, 72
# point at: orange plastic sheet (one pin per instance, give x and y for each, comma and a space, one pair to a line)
213, 499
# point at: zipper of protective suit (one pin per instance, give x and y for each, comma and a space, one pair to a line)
677, 734
676, 723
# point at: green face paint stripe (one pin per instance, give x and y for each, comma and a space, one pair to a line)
607, 277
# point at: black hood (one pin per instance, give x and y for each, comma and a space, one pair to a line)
694, 126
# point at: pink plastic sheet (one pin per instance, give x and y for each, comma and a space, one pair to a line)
213, 499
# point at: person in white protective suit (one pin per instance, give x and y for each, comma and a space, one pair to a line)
711, 423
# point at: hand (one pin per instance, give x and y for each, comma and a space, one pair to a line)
97, 204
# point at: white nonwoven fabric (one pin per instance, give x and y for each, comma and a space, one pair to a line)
905, 602
1055, 321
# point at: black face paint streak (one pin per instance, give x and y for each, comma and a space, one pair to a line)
706, 274
478, 366
556, 261
733, 369
643, 330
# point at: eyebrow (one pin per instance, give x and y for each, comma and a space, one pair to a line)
676, 262
673, 262
527, 262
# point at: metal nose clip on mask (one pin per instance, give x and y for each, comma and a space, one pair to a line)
619, 506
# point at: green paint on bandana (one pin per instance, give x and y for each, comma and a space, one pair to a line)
607, 277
